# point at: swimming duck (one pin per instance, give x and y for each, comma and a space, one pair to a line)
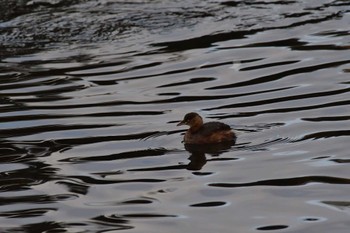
206, 133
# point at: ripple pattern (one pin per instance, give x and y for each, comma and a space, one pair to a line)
91, 92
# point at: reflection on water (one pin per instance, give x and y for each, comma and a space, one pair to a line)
90, 93
198, 152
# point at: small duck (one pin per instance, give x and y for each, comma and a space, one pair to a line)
206, 133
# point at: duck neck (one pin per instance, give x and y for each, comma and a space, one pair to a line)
196, 125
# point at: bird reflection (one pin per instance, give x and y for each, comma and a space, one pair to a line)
198, 152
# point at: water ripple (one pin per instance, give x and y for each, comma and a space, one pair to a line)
91, 92
298, 181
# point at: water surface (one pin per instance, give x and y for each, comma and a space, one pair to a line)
91, 92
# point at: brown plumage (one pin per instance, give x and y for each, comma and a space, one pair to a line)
206, 133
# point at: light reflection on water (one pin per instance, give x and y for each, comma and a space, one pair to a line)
89, 141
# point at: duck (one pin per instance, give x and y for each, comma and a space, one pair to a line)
201, 133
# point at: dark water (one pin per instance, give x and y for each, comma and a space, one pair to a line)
91, 92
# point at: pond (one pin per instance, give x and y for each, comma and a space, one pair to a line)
91, 93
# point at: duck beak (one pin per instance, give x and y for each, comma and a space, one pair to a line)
181, 123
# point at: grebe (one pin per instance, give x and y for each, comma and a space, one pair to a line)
206, 133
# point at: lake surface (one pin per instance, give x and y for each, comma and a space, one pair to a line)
91, 92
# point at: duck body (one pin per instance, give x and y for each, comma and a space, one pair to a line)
210, 132
206, 133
